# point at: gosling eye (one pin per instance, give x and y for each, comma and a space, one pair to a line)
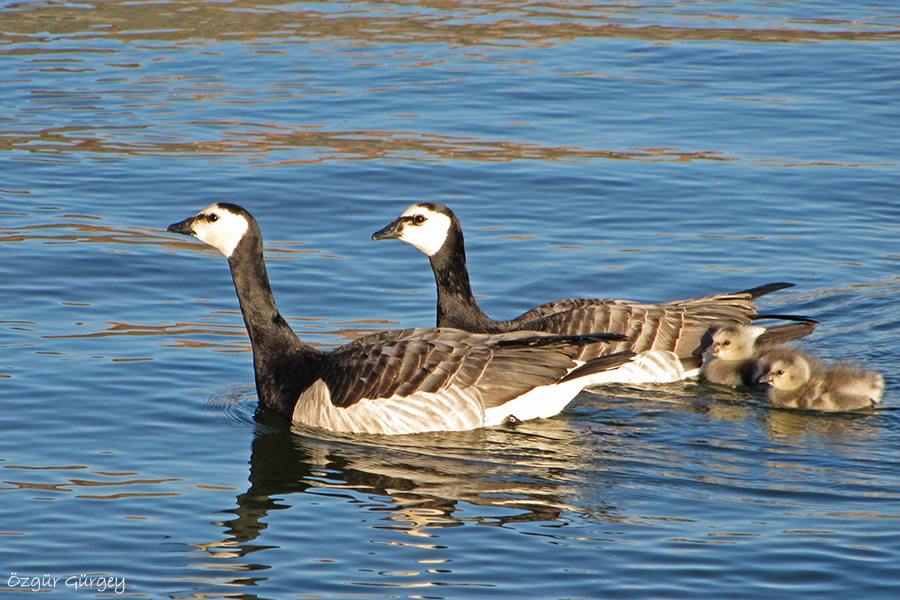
212, 218
726, 343
779, 372
418, 219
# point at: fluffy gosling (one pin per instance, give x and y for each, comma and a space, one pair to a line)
798, 380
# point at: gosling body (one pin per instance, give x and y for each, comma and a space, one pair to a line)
800, 381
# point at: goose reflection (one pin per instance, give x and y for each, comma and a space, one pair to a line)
540, 472
423, 479
836, 428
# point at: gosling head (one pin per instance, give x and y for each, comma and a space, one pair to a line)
734, 342
425, 225
786, 371
221, 225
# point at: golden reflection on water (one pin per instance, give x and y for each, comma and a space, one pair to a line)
74, 232
69, 485
196, 24
193, 329
323, 146
46, 28
83, 232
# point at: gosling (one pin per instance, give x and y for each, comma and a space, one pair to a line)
736, 351
798, 380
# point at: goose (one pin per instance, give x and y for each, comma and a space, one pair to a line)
669, 339
798, 380
736, 351
392, 382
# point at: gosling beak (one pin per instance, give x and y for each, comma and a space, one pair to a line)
765, 378
185, 227
391, 232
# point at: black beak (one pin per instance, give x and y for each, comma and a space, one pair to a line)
184, 227
391, 232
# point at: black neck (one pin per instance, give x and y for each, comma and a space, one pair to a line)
456, 305
283, 363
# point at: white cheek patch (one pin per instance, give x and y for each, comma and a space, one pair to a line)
225, 233
428, 237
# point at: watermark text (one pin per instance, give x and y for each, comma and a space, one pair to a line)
45, 582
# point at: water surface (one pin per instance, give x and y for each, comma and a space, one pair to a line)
628, 150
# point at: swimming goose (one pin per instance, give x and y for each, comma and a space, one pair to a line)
800, 381
669, 338
734, 356
392, 382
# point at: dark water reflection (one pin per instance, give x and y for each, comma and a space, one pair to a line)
412, 488
555, 479
422, 480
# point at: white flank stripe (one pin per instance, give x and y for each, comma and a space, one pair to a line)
540, 403
653, 366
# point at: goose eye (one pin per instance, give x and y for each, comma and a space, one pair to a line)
418, 219
726, 342
212, 218
779, 372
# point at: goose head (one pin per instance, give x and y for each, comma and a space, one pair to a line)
734, 342
424, 225
786, 371
220, 225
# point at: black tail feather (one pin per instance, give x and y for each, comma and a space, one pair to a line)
798, 318
599, 364
765, 289
569, 340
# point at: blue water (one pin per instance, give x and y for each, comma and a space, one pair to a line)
632, 150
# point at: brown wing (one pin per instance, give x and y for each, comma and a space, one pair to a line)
647, 326
400, 367
501, 366
742, 300
684, 326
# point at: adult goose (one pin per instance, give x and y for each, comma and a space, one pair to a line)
736, 352
669, 338
800, 381
392, 382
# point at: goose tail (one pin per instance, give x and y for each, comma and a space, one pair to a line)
768, 288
